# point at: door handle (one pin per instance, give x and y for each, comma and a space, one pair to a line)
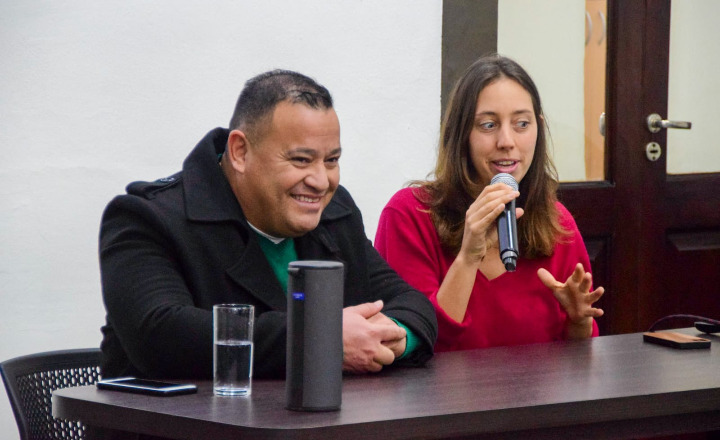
655, 122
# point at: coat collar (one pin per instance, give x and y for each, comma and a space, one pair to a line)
208, 196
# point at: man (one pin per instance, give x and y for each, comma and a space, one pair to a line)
248, 201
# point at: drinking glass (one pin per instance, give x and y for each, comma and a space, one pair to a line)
233, 349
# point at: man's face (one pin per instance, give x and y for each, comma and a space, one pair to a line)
291, 174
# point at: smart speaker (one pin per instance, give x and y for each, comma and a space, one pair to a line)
314, 336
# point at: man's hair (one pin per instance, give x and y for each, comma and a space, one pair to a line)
261, 94
456, 183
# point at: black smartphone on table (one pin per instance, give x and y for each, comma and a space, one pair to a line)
146, 386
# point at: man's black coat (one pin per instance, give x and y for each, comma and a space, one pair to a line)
171, 249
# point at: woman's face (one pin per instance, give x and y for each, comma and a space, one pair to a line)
505, 131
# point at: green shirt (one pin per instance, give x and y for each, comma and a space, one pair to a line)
279, 256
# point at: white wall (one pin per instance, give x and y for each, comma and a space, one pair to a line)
95, 94
548, 40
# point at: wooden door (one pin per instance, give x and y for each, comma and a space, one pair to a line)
653, 237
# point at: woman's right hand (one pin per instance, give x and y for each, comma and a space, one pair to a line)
480, 234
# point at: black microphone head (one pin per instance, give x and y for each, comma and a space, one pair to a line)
505, 178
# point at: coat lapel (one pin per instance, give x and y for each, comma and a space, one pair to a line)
254, 274
319, 244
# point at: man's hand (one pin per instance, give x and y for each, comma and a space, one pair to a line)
396, 345
363, 337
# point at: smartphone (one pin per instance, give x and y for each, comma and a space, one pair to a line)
676, 340
146, 386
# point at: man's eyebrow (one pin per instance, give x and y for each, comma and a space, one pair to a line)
312, 151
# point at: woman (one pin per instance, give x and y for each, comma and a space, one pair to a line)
441, 235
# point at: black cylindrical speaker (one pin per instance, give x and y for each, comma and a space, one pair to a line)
314, 336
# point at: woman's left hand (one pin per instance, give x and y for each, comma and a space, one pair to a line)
575, 297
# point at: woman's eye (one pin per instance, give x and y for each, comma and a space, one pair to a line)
524, 124
487, 125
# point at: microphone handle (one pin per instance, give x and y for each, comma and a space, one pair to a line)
507, 237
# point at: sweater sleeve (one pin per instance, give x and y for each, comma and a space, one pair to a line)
404, 239
407, 239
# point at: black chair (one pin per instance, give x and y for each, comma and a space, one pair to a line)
30, 381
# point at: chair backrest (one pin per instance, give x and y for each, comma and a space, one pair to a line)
30, 381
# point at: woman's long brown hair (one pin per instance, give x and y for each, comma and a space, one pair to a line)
456, 183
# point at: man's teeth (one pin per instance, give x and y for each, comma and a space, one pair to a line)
307, 199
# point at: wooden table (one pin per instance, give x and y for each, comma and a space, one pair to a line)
607, 387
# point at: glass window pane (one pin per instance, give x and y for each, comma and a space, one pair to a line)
693, 87
562, 44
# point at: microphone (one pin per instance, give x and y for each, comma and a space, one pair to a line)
507, 226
